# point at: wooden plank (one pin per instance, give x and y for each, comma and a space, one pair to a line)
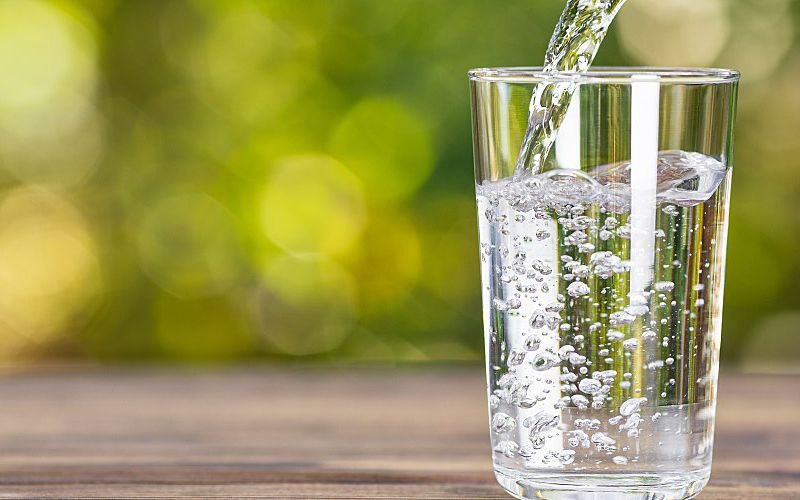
318, 434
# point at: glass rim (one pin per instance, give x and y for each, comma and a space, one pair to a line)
606, 74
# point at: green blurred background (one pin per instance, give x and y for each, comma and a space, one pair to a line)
282, 180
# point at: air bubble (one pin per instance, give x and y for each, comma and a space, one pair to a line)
580, 401
632, 422
578, 289
526, 451
566, 457
537, 320
664, 286
621, 318
589, 385
542, 267
554, 307
533, 342
630, 406
507, 305
507, 380
516, 357
502, 422
544, 361
580, 271
569, 377
630, 344
541, 422
602, 440
507, 448
576, 359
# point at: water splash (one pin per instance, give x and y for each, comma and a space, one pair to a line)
580, 31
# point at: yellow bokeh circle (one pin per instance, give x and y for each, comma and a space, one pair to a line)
46, 55
52, 132
387, 145
674, 32
312, 204
49, 270
764, 33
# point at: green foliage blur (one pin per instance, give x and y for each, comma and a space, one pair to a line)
235, 180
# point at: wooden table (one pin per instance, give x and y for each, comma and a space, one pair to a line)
255, 433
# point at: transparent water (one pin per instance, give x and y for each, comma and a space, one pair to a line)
580, 31
602, 324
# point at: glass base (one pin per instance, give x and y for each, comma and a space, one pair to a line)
582, 486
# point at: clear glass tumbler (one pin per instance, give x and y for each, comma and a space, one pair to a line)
602, 276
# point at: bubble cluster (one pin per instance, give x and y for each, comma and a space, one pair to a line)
590, 339
589, 385
578, 289
503, 423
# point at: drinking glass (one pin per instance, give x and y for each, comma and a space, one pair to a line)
602, 272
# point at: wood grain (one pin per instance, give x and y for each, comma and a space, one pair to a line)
332, 434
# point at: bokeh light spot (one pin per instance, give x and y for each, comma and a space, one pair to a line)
387, 146
764, 33
54, 149
49, 271
674, 32
187, 245
308, 305
312, 204
45, 54
52, 133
